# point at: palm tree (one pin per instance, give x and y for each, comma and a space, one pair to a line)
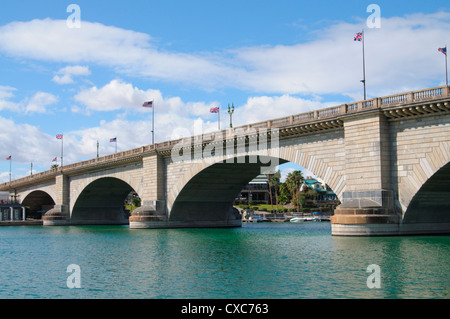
293, 181
274, 182
269, 185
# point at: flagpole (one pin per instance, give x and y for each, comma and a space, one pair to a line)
151, 104
446, 70
116, 143
10, 161
218, 118
153, 123
62, 149
364, 66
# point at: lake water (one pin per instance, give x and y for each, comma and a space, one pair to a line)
264, 260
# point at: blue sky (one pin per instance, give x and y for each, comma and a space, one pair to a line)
269, 58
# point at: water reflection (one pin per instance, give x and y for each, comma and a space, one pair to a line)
267, 260
411, 267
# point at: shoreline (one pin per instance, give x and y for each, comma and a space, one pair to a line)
38, 222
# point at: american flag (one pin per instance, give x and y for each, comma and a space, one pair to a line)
443, 50
148, 104
8, 158
113, 139
59, 136
358, 37
214, 110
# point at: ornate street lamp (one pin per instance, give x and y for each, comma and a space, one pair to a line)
230, 111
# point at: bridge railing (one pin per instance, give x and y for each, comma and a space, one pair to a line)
379, 102
330, 112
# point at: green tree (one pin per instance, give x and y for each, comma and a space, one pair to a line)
136, 201
285, 194
274, 183
293, 181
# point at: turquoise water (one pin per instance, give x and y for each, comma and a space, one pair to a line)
264, 260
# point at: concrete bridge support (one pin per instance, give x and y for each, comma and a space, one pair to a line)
59, 214
152, 213
396, 177
367, 203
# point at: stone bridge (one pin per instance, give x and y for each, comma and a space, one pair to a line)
387, 159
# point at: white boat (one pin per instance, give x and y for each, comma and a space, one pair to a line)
258, 219
301, 219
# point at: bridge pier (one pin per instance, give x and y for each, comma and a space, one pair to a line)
150, 215
57, 216
367, 207
366, 213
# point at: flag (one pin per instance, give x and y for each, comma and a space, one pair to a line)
358, 36
54, 160
59, 136
148, 104
443, 50
8, 158
214, 110
113, 139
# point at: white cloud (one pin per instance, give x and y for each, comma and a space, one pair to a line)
263, 108
65, 75
120, 95
331, 64
27, 143
115, 95
39, 102
400, 55
126, 51
6, 92
287, 168
4, 177
285, 172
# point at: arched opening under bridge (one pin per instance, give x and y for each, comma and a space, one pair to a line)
37, 203
104, 201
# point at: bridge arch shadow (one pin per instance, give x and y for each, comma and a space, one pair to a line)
37, 203
102, 202
431, 202
209, 189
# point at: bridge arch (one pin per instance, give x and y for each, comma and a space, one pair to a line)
102, 202
430, 204
424, 191
196, 192
37, 203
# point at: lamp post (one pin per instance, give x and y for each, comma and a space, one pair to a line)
230, 111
